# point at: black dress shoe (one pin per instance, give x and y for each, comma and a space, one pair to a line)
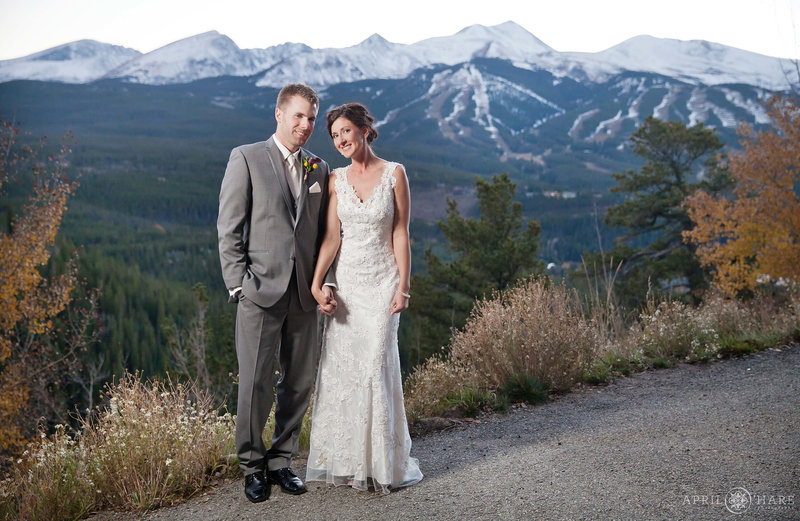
256, 487
287, 480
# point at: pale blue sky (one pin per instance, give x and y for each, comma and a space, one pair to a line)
769, 27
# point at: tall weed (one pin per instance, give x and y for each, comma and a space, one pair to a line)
674, 330
154, 443
157, 441
51, 481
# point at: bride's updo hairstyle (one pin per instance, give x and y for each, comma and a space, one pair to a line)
358, 114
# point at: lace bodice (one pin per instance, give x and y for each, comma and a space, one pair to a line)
366, 255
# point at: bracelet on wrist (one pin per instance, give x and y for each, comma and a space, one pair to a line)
403, 293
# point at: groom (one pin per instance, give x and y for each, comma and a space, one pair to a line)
272, 207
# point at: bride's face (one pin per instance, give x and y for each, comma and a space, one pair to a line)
347, 137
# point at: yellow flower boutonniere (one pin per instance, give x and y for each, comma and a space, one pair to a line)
310, 165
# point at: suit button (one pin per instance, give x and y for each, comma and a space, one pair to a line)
291, 258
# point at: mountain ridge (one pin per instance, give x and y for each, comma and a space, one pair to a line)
213, 54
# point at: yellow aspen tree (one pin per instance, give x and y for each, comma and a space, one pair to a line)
755, 233
28, 300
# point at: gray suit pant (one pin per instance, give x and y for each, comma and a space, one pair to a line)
287, 331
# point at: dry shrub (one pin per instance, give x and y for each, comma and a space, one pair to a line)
719, 326
731, 317
155, 443
674, 330
778, 314
431, 382
537, 329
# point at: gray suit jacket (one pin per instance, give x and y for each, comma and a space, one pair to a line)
262, 236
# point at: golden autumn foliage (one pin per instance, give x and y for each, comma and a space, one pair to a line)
29, 301
755, 234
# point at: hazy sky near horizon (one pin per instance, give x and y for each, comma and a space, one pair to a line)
770, 27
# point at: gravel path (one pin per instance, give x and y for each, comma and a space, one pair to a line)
668, 444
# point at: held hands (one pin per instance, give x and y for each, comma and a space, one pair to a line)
325, 299
327, 303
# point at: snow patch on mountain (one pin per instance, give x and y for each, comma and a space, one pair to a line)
575, 129
661, 111
464, 87
392, 113
725, 116
701, 109
756, 109
606, 128
628, 85
697, 107
480, 97
527, 92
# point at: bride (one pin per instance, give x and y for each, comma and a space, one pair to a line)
359, 434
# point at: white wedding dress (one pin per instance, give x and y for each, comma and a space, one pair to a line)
359, 434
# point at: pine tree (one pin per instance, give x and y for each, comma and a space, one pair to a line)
489, 253
679, 160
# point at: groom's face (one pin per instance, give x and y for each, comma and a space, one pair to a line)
295, 122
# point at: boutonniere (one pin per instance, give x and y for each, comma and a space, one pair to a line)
310, 165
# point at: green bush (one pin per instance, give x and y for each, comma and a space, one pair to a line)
524, 388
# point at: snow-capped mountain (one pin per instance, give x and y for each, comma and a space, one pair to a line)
507, 40
206, 55
212, 54
77, 62
377, 58
373, 58
692, 61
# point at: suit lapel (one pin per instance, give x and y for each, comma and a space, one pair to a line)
276, 161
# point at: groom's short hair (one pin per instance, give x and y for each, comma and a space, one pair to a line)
297, 89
